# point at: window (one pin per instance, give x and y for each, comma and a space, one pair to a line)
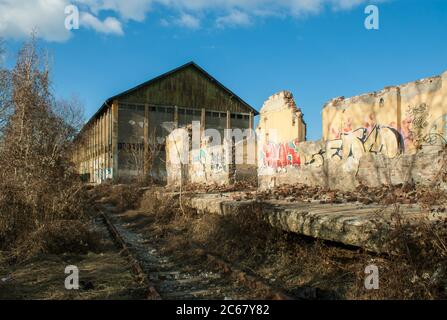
239, 116
216, 114
161, 109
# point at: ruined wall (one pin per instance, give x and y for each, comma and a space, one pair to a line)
387, 137
393, 121
210, 165
214, 163
281, 128
282, 119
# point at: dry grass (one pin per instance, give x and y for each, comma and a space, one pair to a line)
414, 270
102, 276
59, 237
123, 196
104, 273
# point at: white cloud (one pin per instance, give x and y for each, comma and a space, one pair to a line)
234, 18
188, 21
19, 17
126, 9
110, 25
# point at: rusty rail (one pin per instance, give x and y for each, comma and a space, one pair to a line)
250, 280
151, 293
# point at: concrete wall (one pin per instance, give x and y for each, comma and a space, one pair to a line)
388, 137
281, 119
281, 128
392, 121
214, 163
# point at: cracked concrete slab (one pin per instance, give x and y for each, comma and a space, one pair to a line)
354, 224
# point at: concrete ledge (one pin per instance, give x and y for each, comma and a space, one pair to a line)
365, 226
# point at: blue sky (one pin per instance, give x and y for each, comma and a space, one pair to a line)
318, 52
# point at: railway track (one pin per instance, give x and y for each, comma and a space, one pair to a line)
202, 276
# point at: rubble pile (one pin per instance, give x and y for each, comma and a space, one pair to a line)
383, 195
237, 186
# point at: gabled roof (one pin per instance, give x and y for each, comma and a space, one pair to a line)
189, 64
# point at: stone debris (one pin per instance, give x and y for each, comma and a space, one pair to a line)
383, 195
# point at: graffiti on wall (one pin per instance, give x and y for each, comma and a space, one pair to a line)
353, 143
437, 132
413, 126
217, 162
215, 157
103, 174
280, 155
379, 139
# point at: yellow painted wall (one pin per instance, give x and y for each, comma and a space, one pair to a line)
395, 120
281, 119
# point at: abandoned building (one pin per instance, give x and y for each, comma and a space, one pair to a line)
126, 136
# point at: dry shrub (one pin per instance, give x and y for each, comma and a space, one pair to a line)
12, 218
163, 207
24, 211
38, 182
418, 259
58, 237
124, 197
238, 236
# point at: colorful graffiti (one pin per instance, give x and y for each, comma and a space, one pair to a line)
378, 139
280, 155
414, 126
351, 143
103, 174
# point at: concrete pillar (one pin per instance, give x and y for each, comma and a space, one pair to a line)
251, 121
176, 117
103, 166
105, 142
228, 119
90, 133
108, 162
95, 128
146, 139
202, 120
115, 140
